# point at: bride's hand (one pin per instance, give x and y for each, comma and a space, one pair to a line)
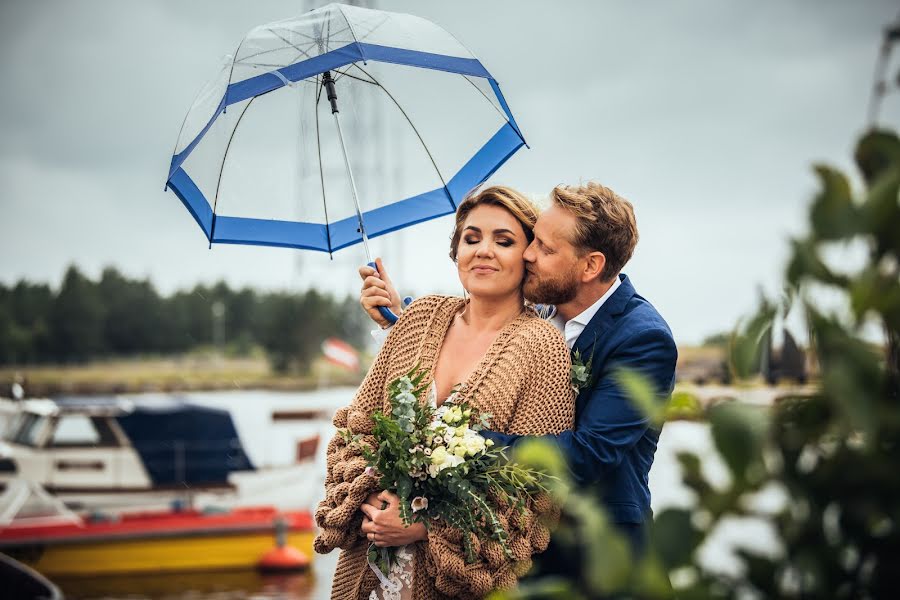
378, 291
385, 528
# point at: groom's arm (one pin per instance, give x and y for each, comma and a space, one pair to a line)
609, 424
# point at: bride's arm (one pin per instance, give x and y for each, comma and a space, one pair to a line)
346, 483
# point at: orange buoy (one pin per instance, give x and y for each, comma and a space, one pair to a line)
283, 559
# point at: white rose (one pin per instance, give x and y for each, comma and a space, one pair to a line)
439, 456
453, 461
475, 445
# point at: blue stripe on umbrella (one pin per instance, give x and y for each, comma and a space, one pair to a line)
270, 232
313, 236
193, 199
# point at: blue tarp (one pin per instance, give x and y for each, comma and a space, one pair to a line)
185, 444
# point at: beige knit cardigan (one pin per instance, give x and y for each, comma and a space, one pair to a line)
522, 380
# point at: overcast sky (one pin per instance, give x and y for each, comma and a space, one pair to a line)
707, 115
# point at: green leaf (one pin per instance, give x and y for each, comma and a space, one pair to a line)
541, 455
874, 291
852, 375
880, 211
683, 406
404, 487
805, 263
876, 152
833, 215
640, 391
675, 538
747, 342
738, 431
650, 579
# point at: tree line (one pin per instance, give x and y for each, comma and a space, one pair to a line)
117, 316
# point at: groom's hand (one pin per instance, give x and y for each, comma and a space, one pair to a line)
384, 527
378, 290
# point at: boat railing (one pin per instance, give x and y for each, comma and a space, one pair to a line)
27, 503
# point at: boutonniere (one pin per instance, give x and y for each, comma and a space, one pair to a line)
580, 372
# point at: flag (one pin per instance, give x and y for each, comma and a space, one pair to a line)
340, 353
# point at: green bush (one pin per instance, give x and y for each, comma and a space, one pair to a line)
833, 454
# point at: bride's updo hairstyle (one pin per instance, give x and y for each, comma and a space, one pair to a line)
515, 203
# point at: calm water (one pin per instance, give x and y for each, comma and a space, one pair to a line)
272, 444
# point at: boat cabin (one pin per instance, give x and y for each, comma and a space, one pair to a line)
109, 445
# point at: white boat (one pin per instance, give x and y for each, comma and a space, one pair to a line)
106, 453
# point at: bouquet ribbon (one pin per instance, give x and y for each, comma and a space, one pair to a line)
387, 584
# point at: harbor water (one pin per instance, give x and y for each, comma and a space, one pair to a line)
271, 445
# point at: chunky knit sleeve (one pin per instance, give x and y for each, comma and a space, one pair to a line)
346, 484
546, 406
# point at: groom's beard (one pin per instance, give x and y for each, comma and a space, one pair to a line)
550, 290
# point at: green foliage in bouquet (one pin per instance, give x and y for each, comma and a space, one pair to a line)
440, 466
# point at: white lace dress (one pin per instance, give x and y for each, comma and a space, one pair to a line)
398, 584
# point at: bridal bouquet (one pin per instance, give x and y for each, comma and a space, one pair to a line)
441, 467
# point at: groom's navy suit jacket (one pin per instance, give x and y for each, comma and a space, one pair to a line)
612, 445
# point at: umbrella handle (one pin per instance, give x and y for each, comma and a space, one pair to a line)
385, 312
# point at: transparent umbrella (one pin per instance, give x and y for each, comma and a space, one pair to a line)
277, 149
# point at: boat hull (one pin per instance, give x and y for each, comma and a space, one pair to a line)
155, 541
175, 554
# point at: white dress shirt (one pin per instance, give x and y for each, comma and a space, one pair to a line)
572, 329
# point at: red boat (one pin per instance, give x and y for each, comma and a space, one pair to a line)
59, 542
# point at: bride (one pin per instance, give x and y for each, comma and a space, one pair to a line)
498, 355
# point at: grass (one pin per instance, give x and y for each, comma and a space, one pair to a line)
192, 372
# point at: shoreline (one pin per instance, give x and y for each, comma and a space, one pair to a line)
167, 375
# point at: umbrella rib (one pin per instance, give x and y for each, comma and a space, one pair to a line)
408, 120
480, 91
300, 52
372, 30
346, 74
321, 172
309, 37
347, 21
225, 155
261, 52
300, 33
273, 66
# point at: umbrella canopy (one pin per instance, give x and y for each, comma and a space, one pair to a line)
259, 160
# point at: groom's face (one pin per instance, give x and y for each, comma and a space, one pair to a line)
552, 266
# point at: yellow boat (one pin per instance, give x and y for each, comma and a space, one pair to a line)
161, 541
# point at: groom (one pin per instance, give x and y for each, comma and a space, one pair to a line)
581, 243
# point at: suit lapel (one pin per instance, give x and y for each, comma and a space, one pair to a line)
596, 330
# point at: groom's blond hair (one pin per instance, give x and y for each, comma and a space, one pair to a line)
605, 223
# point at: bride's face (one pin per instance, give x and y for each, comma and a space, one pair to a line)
489, 255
